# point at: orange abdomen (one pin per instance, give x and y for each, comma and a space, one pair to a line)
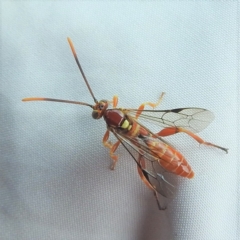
170, 159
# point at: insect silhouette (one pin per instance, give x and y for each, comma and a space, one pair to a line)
153, 155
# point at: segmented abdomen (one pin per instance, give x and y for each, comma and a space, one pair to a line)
169, 158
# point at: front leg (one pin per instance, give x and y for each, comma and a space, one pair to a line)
112, 147
153, 105
114, 101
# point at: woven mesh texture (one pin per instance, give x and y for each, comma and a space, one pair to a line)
54, 171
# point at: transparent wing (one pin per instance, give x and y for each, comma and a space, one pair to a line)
161, 180
193, 119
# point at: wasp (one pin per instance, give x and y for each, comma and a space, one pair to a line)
152, 154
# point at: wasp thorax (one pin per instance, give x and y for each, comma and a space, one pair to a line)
117, 119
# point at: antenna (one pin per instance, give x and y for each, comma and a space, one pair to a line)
67, 101
55, 100
80, 68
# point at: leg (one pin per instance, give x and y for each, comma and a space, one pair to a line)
173, 130
112, 147
153, 105
144, 177
114, 101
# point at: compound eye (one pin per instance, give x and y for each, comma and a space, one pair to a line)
101, 106
95, 114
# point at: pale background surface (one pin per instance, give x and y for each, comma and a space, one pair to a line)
55, 180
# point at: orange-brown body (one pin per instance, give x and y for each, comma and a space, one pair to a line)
150, 147
168, 157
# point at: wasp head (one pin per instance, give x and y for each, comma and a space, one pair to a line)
99, 109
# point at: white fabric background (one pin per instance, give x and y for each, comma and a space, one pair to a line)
55, 180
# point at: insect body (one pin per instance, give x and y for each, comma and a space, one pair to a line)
152, 154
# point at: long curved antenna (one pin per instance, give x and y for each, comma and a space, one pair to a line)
80, 68
55, 100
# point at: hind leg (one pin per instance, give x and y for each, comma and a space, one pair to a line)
145, 178
173, 130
